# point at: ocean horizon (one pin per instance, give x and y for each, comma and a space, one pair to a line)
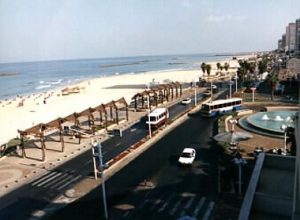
26, 78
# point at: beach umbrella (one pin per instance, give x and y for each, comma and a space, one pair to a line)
232, 136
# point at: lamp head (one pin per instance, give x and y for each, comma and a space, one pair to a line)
283, 127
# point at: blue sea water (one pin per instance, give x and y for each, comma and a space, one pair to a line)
36, 77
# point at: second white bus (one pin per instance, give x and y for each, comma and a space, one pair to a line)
221, 106
158, 117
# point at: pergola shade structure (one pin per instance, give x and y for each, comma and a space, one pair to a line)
80, 125
156, 95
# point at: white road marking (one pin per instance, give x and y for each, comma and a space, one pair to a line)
187, 206
208, 211
86, 163
145, 200
174, 209
189, 203
126, 214
43, 178
166, 202
69, 182
49, 179
38, 213
156, 202
133, 130
199, 206
61, 180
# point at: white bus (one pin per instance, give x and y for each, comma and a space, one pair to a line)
221, 106
158, 117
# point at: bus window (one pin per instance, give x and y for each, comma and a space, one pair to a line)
152, 118
205, 107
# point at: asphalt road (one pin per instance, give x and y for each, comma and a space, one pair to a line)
24, 201
172, 190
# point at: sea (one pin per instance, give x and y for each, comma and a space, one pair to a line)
21, 79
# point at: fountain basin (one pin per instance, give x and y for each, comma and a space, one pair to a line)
268, 123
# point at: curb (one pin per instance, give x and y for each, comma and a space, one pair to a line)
134, 152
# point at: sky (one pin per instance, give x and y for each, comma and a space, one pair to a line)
33, 30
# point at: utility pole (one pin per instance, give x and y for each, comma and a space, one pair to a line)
195, 93
149, 125
98, 146
230, 92
236, 82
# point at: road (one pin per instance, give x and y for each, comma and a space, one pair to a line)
23, 202
176, 190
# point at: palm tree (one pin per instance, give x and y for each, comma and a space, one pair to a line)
208, 69
218, 67
243, 70
203, 67
226, 66
262, 66
273, 79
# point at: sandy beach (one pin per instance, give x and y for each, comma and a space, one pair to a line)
24, 112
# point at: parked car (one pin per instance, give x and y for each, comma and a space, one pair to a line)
186, 101
213, 87
187, 156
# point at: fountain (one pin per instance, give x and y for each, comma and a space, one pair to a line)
268, 123
278, 118
265, 117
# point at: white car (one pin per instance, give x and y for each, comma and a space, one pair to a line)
186, 101
187, 156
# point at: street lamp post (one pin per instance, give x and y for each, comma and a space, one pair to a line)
230, 92
99, 146
195, 93
284, 129
239, 161
236, 82
211, 90
253, 91
149, 110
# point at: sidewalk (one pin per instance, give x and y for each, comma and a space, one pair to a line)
16, 171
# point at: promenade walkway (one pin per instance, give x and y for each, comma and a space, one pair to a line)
16, 171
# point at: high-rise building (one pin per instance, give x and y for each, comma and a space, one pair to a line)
280, 45
290, 38
297, 42
283, 42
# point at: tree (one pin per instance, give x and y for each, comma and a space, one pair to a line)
208, 69
226, 66
243, 70
203, 67
218, 67
262, 66
273, 79
252, 67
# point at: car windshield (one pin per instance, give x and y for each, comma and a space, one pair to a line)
187, 155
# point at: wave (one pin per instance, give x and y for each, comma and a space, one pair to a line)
51, 82
56, 82
176, 63
43, 87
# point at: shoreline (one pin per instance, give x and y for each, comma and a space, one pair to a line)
92, 92
50, 83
